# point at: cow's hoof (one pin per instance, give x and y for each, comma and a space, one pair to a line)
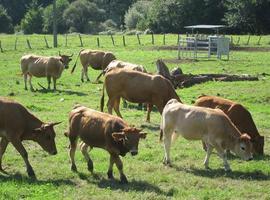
167, 163
90, 166
31, 173
123, 179
88, 80
82, 80
25, 89
110, 174
73, 168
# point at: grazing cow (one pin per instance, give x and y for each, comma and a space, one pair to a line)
101, 130
18, 124
211, 126
122, 64
41, 66
239, 115
136, 87
98, 60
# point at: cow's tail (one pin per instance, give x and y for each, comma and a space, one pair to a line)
102, 99
75, 64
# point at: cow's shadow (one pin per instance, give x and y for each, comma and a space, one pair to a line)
17, 177
213, 173
67, 92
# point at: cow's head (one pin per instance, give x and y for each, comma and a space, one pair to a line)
44, 136
244, 147
258, 144
130, 137
65, 59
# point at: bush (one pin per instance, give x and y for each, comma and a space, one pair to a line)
5, 21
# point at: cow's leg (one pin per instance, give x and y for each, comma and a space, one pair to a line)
3, 146
25, 81
209, 150
54, 83
149, 109
30, 83
167, 145
116, 107
49, 82
82, 75
72, 150
84, 148
110, 104
86, 73
223, 155
110, 170
119, 165
20, 148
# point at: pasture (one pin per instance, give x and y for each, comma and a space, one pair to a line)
148, 177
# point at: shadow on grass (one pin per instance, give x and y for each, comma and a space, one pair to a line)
67, 92
213, 173
22, 178
152, 127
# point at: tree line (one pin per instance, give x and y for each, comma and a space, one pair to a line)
111, 16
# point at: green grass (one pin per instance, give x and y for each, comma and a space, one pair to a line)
148, 178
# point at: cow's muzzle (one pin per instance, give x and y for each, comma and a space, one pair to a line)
53, 152
251, 158
134, 153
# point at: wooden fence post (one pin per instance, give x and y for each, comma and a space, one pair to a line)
178, 37
124, 41
112, 40
98, 44
164, 39
138, 38
81, 40
231, 39
46, 42
66, 41
248, 40
28, 44
1, 49
153, 41
258, 43
15, 45
238, 40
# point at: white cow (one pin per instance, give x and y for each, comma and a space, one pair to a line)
211, 126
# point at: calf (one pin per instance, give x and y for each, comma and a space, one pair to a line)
18, 124
211, 126
101, 130
239, 115
41, 66
136, 87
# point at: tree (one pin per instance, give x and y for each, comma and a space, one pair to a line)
5, 21
83, 16
32, 21
61, 5
137, 14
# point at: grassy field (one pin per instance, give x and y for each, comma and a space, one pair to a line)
148, 178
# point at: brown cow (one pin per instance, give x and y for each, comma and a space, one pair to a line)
136, 87
211, 126
18, 124
101, 130
41, 66
239, 115
98, 60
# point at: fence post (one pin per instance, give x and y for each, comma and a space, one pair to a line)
153, 41
178, 38
98, 44
248, 40
231, 40
238, 40
164, 39
112, 40
258, 43
124, 41
1, 47
66, 41
15, 45
28, 44
46, 42
81, 40
138, 38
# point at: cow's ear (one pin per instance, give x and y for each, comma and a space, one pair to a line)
119, 136
143, 135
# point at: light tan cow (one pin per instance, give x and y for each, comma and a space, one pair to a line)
41, 66
18, 124
98, 60
211, 126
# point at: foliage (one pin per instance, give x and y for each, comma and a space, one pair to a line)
5, 21
84, 16
61, 5
32, 21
